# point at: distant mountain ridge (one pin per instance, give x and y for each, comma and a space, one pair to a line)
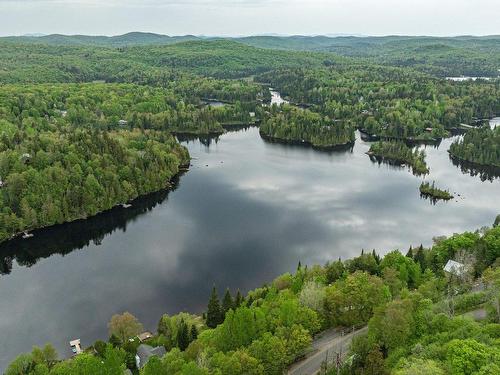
129, 39
338, 43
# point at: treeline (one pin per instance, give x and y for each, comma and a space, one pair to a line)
408, 302
480, 146
290, 124
399, 153
388, 102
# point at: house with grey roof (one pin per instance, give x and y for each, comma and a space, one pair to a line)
455, 268
144, 352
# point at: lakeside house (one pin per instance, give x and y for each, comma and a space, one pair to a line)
122, 122
144, 352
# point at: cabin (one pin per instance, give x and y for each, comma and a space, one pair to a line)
252, 114
122, 122
76, 346
144, 336
455, 268
144, 352
429, 130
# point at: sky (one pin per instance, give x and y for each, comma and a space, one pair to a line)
251, 17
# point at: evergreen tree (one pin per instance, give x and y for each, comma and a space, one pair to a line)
238, 300
227, 302
193, 333
214, 311
182, 336
420, 258
409, 254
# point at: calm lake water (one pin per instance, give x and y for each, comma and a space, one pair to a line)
245, 212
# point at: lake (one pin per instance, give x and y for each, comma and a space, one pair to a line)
246, 211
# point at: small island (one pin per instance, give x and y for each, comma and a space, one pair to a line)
396, 152
293, 125
431, 191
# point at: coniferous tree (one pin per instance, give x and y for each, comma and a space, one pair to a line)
183, 336
409, 254
227, 302
420, 258
214, 311
238, 300
193, 333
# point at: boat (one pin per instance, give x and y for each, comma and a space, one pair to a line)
126, 205
27, 235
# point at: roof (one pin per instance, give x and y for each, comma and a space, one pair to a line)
454, 267
145, 335
144, 352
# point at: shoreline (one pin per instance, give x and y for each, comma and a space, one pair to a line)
168, 185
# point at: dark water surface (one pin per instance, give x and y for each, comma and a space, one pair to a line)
245, 212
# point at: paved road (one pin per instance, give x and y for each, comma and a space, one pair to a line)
327, 344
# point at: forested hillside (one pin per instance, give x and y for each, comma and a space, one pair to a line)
413, 309
440, 56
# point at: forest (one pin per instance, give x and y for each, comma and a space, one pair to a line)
479, 146
294, 125
69, 151
415, 312
399, 153
387, 102
439, 56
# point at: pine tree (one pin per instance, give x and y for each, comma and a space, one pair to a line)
227, 302
409, 254
420, 258
182, 336
193, 334
238, 300
214, 312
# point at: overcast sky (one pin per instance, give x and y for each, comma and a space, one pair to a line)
250, 17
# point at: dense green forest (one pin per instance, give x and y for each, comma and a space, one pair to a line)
399, 153
480, 146
145, 64
414, 312
290, 124
443, 57
68, 151
388, 102
440, 56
